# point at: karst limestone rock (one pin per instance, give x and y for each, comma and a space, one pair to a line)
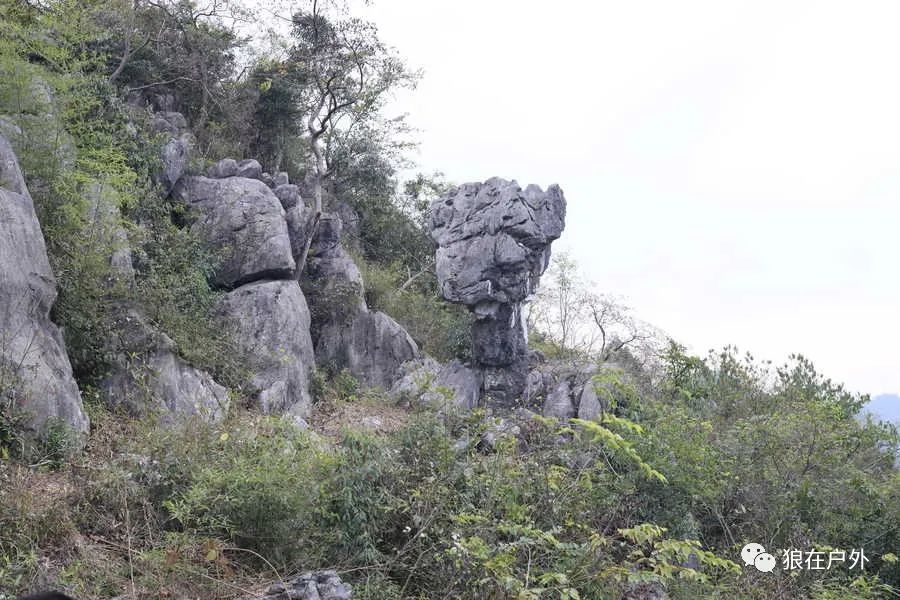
370, 344
147, 377
265, 311
427, 381
35, 372
493, 243
174, 158
242, 218
564, 390
174, 153
319, 585
269, 322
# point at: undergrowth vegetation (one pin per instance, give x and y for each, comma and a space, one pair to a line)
589, 509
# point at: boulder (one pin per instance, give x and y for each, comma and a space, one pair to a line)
333, 281
589, 405
493, 239
535, 390
227, 167
372, 346
244, 219
250, 168
288, 195
559, 402
269, 322
35, 371
299, 224
11, 177
173, 159
169, 122
320, 585
148, 376
427, 381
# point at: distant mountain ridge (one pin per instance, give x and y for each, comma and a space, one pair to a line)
885, 406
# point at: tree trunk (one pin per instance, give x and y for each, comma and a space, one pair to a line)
317, 203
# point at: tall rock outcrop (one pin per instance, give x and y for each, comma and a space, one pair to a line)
35, 373
235, 211
369, 344
493, 243
269, 321
244, 219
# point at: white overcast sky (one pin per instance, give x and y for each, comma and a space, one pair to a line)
731, 168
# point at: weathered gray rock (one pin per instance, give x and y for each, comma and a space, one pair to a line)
280, 178
299, 224
536, 387
249, 168
429, 382
35, 372
498, 335
320, 585
173, 158
11, 177
463, 381
169, 122
372, 346
505, 386
244, 219
159, 101
110, 235
149, 378
334, 280
559, 402
288, 195
589, 405
493, 239
269, 322
493, 245
227, 167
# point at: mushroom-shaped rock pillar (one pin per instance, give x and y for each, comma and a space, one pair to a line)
493, 243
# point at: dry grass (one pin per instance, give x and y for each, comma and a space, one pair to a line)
330, 419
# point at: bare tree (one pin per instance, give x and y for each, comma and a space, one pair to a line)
580, 322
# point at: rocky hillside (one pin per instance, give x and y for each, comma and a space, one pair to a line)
240, 359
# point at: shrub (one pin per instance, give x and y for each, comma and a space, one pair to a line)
440, 328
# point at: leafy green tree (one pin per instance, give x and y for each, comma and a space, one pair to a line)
341, 73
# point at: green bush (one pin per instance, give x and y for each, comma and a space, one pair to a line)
441, 329
261, 488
